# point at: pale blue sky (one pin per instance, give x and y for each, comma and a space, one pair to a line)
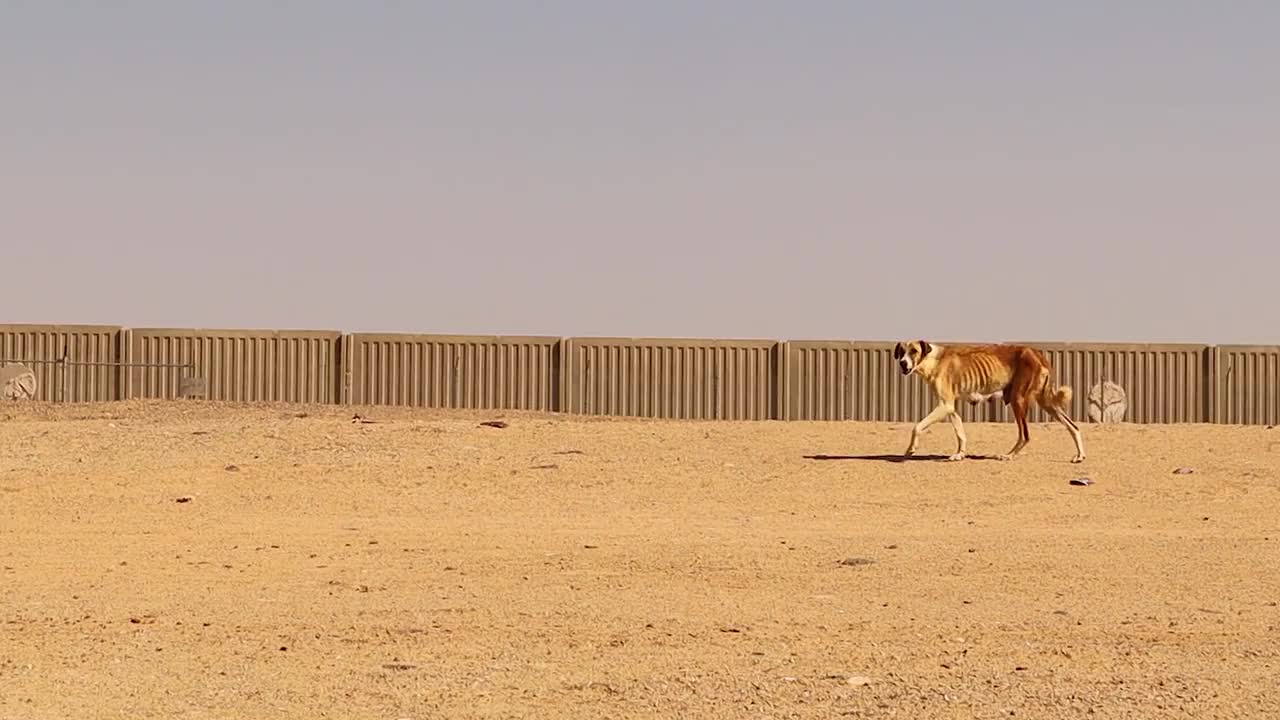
985, 171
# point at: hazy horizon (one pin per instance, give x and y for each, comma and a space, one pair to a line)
1091, 172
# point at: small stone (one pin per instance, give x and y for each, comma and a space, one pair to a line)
494, 424
232, 468
859, 681
1183, 471
183, 499
857, 561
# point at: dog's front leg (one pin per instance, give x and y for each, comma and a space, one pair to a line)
938, 413
962, 443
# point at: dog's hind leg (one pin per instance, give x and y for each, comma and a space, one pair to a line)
962, 443
1028, 374
1055, 402
1061, 416
1019, 406
943, 410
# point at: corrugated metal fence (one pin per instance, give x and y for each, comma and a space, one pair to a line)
659, 378
72, 363
452, 371
1247, 388
298, 366
687, 379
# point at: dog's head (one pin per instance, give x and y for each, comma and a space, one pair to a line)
910, 354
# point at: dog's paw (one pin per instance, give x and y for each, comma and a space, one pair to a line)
1077, 459
1004, 457
957, 456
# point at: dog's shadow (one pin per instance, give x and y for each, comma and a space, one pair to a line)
895, 458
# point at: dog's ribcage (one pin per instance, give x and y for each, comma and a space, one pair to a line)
981, 378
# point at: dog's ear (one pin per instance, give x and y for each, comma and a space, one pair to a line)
897, 351
925, 349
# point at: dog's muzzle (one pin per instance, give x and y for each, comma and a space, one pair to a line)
906, 367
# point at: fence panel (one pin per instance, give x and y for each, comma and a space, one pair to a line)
1162, 383
672, 378
453, 371
1248, 384
295, 366
91, 372
817, 380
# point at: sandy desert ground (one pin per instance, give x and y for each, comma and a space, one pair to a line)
189, 560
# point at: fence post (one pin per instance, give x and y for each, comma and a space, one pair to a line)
60, 372
564, 360
127, 356
1212, 385
342, 371
781, 377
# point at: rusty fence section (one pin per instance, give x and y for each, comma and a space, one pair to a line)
695, 379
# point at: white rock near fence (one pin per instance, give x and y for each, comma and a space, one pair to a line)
17, 382
1107, 403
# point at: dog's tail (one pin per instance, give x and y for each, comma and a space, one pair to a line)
1058, 396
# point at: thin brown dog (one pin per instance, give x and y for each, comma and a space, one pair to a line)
1018, 374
